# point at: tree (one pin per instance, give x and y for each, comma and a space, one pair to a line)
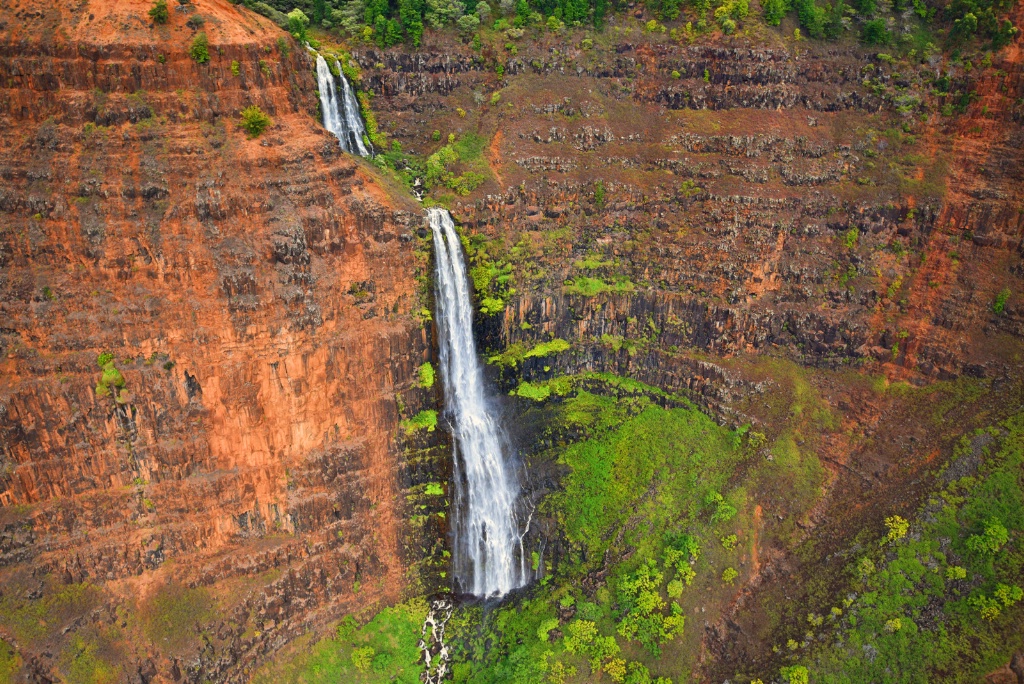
200, 50
298, 24
468, 23
319, 11
442, 12
834, 26
774, 11
254, 121
411, 14
158, 12
875, 32
812, 17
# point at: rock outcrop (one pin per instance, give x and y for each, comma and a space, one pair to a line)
256, 299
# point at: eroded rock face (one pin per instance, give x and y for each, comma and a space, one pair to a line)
803, 201
256, 298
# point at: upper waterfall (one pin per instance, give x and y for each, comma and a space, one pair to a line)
341, 114
488, 557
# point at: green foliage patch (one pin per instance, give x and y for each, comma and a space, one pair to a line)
586, 286
939, 602
426, 375
158, 12
516, 353
173, 616
200, 48
658, 466
383, 650
254, 121
424, 420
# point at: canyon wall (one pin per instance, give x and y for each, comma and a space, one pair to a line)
234, 473
257, 299
820, 201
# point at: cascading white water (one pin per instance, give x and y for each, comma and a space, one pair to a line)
353, 119
341, 116
487, 554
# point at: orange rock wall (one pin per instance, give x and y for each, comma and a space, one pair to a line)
257, 296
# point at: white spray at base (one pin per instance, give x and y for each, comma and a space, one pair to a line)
487, 552
341, 112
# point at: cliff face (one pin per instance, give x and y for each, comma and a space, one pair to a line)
677, 213
235, 473
256, 296
825, 202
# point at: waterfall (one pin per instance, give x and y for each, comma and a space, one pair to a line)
341, 115
487, 539
353, 118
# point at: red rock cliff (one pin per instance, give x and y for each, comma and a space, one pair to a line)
256, 298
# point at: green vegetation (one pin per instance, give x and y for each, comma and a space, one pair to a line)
424, 420
936, 600
200, 48
492, 277
999, 305
639, 477
158, 12
591, 287
10, 662
254, 121
385, 24
383, 650
426, 375
467, 152
516, 353
31, 621
173, 615
658, 466
298, 25
111, 382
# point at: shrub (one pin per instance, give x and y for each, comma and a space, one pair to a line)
875, 32
990, 541
422, 420
850, 238
158, 12
254, 121
381, 662
195, 22
723, 510
200, 50
643, 621
1000, 304
426, 373
898, 528
774, 11
235, 68
729, 574
795, 674
298, 23
956, 572
362, 658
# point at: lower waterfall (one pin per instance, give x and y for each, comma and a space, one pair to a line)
488, 558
